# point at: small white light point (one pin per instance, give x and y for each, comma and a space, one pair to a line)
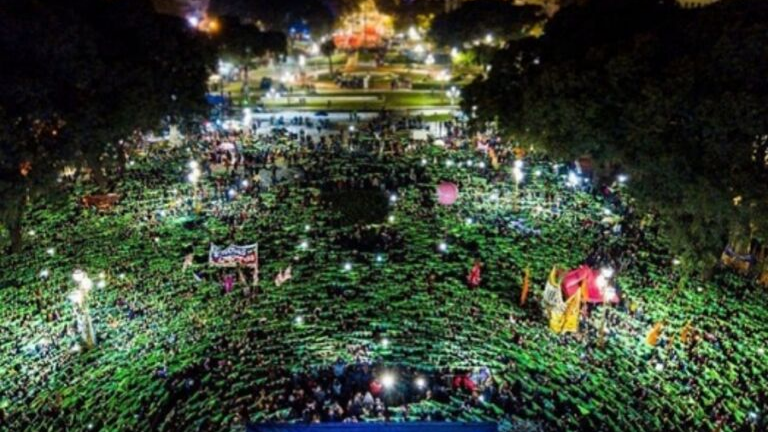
761, 351
469, 221
44, 273
385, 342
659, 367
537, 173
347, 266
449, 163
388, 380
32, 233
101, 284
304, 245
307, 228
442, 247
391, 219
299, 320
481, 165
379, 258
244, 183
622, 178
121, 276
421, 382
423, 162
393, 198
232, 193
50, 251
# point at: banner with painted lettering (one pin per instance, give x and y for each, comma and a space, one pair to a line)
234, 255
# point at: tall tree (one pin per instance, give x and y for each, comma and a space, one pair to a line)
676, 98
476, 19
328, 48
80, 77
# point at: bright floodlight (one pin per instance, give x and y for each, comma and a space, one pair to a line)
78, 276
76, 297
622, 178
388, 380
87, 283
421, 382
193, 21
573, 179
606, 272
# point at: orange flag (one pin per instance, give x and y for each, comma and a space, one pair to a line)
685, 333
526, 286
653, 336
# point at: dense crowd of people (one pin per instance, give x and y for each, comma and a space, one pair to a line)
371, 321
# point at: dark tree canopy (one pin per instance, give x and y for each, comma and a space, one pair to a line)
676, 98
477, 18
78, 78
279, 15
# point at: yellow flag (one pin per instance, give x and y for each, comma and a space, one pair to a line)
568, 320
653, 336
526, 286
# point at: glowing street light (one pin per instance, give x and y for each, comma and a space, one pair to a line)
421, 382
518, 175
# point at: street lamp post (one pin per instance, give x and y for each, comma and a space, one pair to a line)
518, 175
453, 93
79, 299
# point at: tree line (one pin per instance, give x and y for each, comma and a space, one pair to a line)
675, 98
